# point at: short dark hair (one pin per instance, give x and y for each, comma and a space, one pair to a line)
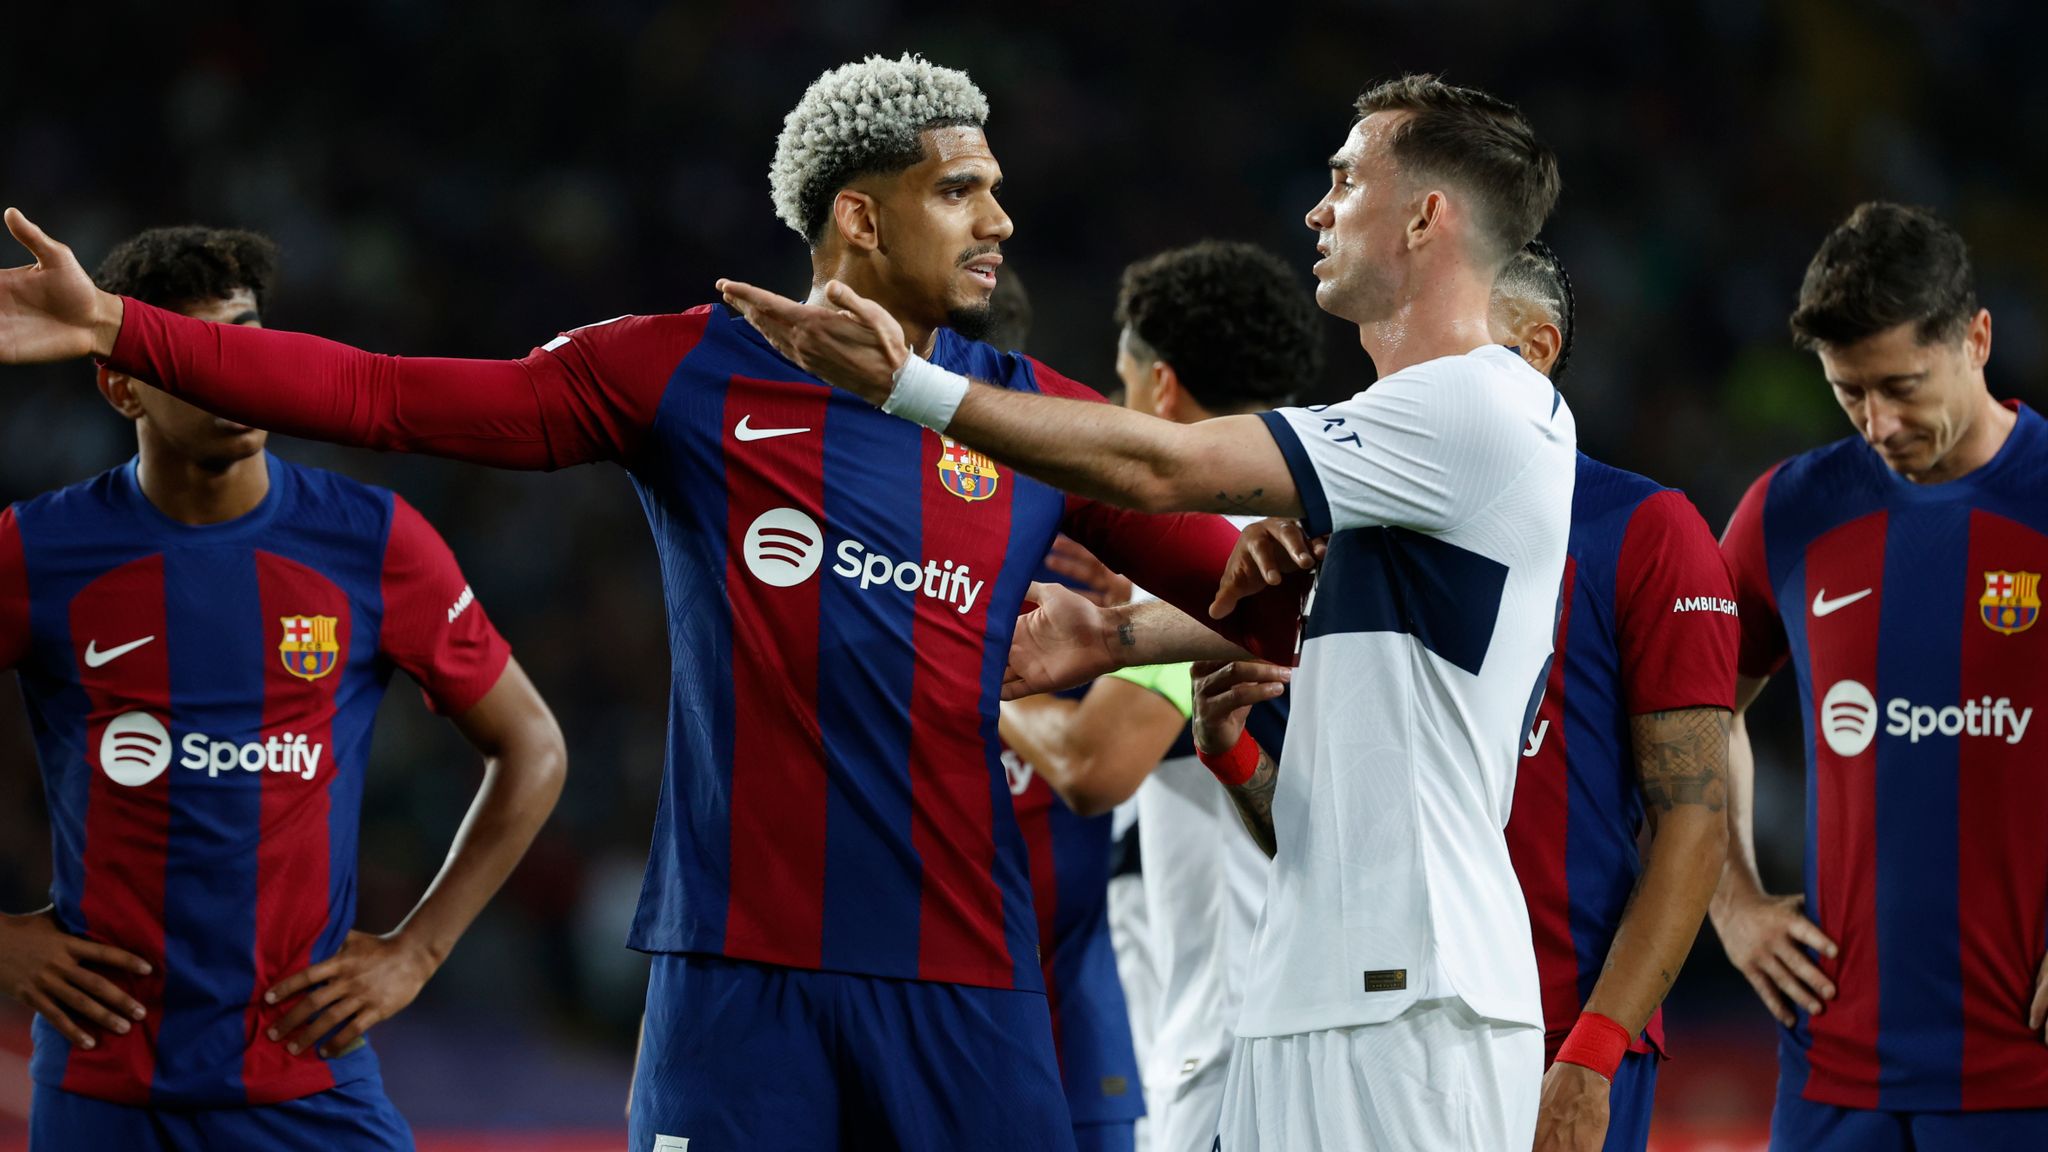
181, 266
1233, 320
1479, 142
1886, 265
1537, 276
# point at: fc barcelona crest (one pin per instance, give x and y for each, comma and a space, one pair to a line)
966, 473
2011, 601
310, 648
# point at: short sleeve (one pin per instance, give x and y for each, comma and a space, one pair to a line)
1172, 682
14, 610
599, 386
434, 628
1675, 612
1426, 448
1764, 646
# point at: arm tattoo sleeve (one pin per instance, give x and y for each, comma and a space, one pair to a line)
1254, 800
1682, 758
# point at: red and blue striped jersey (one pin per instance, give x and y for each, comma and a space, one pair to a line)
1910, 615
841, 589
201, 700
1646, 623
1091, 1023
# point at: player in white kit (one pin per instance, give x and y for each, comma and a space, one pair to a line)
1206, 330
1392, 999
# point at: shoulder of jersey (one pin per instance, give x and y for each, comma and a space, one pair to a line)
986, 362
339, 498
99, 490
1609, 485
1826, 465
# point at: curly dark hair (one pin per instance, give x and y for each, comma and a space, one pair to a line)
1481, 143
178, 267
1231, 318
1884, 266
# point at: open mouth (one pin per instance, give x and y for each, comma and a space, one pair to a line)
983, 268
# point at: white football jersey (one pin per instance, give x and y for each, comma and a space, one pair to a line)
1204, 882
1447, 491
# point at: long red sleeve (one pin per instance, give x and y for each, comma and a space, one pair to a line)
563, 404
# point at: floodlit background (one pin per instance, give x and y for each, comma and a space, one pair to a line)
470, 180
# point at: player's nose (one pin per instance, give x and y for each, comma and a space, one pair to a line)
1880, 420
995, 224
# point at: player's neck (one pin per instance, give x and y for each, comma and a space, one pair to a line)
1448, 318
190, 493
1987, 434
916, 334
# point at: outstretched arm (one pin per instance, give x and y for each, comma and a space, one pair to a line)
374, 977
1229, 464
587, 396
1066, 641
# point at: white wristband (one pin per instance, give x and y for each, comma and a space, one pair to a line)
926, 393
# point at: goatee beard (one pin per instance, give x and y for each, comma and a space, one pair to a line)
972, 321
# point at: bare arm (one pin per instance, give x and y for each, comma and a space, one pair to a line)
1254, 800
1766, 936
1224, 696
1681, 763
1067, 641
374, 977
1227, 464
1094, 751
1741, 875
1230, 464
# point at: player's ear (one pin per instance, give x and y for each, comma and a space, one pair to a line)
1977, 339
853, 214
119, 390
1428, 221
1170, 398
1540, 346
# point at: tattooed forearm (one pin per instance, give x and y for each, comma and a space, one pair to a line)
1127, 634
1682, 758
1254, 800
1238, 503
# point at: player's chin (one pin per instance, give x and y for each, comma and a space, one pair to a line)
226, 448
974, 319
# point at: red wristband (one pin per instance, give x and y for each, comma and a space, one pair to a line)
1595, 1042
1235, 766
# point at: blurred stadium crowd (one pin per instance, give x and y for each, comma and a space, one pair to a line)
469, 180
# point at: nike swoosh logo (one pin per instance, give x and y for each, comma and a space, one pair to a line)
1822, 606
746, 432
94, 657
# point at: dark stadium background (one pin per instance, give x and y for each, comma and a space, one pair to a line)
469, 180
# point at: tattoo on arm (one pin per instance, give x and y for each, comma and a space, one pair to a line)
1254, 800
1239, 503
1127, 634
1682, 758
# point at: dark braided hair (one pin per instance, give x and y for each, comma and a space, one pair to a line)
1536, 275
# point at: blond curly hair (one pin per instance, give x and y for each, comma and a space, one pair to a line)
862, 118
